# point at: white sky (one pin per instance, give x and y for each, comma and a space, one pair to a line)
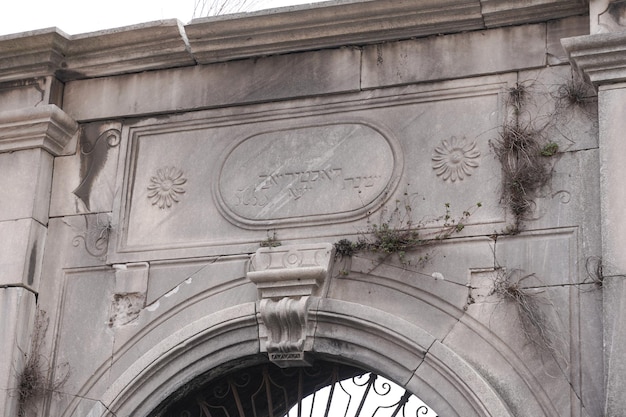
81, 16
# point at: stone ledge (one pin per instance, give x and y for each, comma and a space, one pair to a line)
154, 45
327, 25
600, 58
46, 127
31, 54
516, 12
163, 44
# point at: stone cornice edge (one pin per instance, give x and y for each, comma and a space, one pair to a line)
330, 25
167, 44
47, 127
154, 45
601, 58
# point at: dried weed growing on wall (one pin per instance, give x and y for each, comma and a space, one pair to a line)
531, 306
34, 379
396, 233
523, 152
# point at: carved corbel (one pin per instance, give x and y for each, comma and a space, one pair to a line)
289, 278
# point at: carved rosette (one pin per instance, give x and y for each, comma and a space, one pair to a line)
288, 279
166, 186
455, 159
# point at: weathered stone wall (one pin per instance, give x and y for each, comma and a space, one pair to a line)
142, 169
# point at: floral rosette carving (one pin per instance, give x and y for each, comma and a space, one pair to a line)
455, 159
166, 187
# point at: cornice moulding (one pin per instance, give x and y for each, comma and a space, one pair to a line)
330, 25
47, 127
31, 54
154, 45
600, 58
515, 12
167, 44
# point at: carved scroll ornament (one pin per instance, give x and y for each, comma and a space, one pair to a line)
288, 279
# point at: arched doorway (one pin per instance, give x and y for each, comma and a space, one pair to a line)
229, 341
326, 389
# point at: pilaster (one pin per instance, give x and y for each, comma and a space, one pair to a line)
601, 59
30, 138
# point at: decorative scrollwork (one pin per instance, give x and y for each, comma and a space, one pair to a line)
266, 390
112, 138
93, 156
96, 237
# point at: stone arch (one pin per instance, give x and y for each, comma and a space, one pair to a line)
344, 332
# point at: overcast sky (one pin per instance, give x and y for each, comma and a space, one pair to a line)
81, 16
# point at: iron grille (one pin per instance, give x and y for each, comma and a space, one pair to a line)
324, 390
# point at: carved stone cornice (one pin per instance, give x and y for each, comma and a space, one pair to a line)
143, 47
326, 25
148, 46
515, 12
341, 23
288, 279
31, 54
164, 44
46, 127
601, 58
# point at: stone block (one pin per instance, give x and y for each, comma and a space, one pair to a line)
25, 182
561, 106
237, 82
564, 28
17, 309
216, 286
84, 339
431, 293
612, 174
614, 290
20, 258
454, 56
30, 93
528, 382
443, 378
591, 341
83, 240
394, 347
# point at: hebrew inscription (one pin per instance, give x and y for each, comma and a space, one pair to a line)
306, 174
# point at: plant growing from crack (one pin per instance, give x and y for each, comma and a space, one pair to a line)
530, 304
271, 241
574, 93
34, 379
397, 234
524, 155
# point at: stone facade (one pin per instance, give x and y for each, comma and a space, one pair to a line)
172, 197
